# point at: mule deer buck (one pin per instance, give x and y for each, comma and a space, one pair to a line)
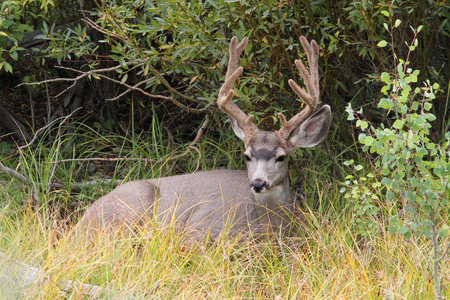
206, 203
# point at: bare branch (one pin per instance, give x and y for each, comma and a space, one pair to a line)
201, 130
146, 160
97, 73
93, 25
43, 128
444, 253
14, 174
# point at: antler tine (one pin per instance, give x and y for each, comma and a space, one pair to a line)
226, 92
235, 53
311, 80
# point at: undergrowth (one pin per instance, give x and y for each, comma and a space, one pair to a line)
331, 262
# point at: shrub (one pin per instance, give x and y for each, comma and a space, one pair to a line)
413, 165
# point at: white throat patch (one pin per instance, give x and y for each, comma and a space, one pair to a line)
275, 193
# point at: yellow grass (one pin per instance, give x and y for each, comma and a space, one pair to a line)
330, 263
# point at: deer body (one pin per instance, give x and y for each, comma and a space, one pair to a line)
207, 203
200, 203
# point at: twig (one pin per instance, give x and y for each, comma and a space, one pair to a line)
98, 72
202, 130
65, 90
31, 109
102, 30
146, 160
48, 99
41, 129
444, 253
134, 87
83, 74
14, 174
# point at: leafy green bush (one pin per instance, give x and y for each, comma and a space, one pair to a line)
12, 31
180, 47
413, 167
175, 51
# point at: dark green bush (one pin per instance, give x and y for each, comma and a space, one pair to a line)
174, 54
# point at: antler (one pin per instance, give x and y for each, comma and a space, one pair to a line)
226, 92
311, 97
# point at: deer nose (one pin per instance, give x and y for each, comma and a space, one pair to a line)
258, 185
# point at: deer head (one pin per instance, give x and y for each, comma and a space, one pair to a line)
266, 151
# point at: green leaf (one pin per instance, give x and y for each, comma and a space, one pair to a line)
14, 55
124, 78
385, 77
369, 140
405, 231
392, 229
384, 103
361, 138
445, 231
390, 196
431, 117
115, 57
8, 67
362, 124
385, 89
414, 182
382, 44
385, 13
349, 162
398, 124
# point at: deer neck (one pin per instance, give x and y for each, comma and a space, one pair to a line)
274, 207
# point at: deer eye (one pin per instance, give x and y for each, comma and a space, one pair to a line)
281, 158
247, 158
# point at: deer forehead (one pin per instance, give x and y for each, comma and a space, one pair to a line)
265, 145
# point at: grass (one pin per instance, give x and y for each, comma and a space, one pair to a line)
332, 262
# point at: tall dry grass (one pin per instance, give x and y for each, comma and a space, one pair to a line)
329, 263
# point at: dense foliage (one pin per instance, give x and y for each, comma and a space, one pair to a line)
177, 50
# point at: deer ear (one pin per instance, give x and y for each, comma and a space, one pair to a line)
241, 133
237, 130
311, 132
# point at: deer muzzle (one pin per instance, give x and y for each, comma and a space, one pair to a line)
258, 185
